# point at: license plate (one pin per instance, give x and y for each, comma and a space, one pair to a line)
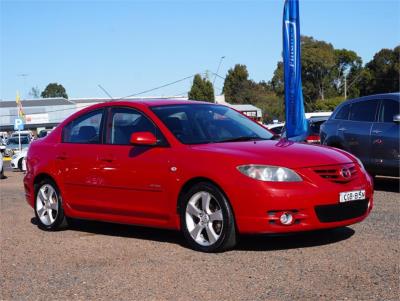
352, 196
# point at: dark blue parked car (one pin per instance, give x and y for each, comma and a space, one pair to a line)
367, 127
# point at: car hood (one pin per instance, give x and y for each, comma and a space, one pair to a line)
279, 153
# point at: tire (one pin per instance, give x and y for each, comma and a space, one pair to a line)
20, 164
207, 220
2, 173
48, 206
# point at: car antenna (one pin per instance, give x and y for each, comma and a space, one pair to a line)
105, 91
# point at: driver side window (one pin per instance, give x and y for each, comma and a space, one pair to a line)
123, 122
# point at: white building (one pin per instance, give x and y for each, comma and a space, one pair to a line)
49, 112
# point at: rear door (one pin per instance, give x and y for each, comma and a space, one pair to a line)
356, 132
385, 139
76, 159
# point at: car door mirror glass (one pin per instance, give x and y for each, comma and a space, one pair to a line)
143, 138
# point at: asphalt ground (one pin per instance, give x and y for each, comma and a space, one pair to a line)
102, 261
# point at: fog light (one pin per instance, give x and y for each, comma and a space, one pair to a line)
286, 218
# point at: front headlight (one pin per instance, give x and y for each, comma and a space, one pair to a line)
270, 173
14, 157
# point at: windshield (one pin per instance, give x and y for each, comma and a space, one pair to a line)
14, 140
202, 123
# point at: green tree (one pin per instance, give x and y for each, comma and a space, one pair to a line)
382, 73
54, 90
323, 72
237, 85
277, 81
348, 67
202, 89
318, 60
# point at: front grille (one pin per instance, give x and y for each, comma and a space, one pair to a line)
342, 211
335, 175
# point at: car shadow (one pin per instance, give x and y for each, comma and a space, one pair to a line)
88, 228
274, 242
387, 184
246, 242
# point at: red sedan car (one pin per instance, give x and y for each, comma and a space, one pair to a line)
201, 168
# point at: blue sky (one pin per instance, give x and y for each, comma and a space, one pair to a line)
132, 46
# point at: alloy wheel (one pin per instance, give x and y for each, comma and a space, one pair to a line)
47, 204
204, 218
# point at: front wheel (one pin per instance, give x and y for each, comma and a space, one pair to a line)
207, 220
48, 206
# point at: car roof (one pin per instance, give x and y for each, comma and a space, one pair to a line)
156, 102
376, 97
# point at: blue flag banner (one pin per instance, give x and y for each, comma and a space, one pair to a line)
296, 123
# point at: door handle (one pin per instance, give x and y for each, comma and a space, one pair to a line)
61, 157
376, 131
106, 159
342, 129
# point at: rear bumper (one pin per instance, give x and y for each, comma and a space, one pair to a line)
29, 189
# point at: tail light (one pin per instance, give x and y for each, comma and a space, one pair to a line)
313, 139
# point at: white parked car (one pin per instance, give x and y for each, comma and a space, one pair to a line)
12, 146
18, 161
1, 166
276, 128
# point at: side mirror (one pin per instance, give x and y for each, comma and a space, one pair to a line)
143, 138
396, 118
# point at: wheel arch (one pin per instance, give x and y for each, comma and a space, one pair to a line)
335, 142
20, 163
42, 176
190, 183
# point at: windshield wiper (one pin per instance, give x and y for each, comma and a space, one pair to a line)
241, 138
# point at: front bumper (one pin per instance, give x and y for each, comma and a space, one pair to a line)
314, 204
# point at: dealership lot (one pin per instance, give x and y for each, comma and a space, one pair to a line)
93, 260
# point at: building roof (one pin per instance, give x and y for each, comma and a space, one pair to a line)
37, 102
59, 101
244, 107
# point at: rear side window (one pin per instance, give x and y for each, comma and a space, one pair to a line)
389, 109
364, 110
343, 113
85, 129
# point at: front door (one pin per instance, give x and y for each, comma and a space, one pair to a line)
136, 178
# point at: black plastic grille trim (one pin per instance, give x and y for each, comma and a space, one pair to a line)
342, 211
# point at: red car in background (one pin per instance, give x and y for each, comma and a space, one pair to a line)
201, 168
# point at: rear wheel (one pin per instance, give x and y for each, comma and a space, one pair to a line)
207, 220
2, 173
48, 206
